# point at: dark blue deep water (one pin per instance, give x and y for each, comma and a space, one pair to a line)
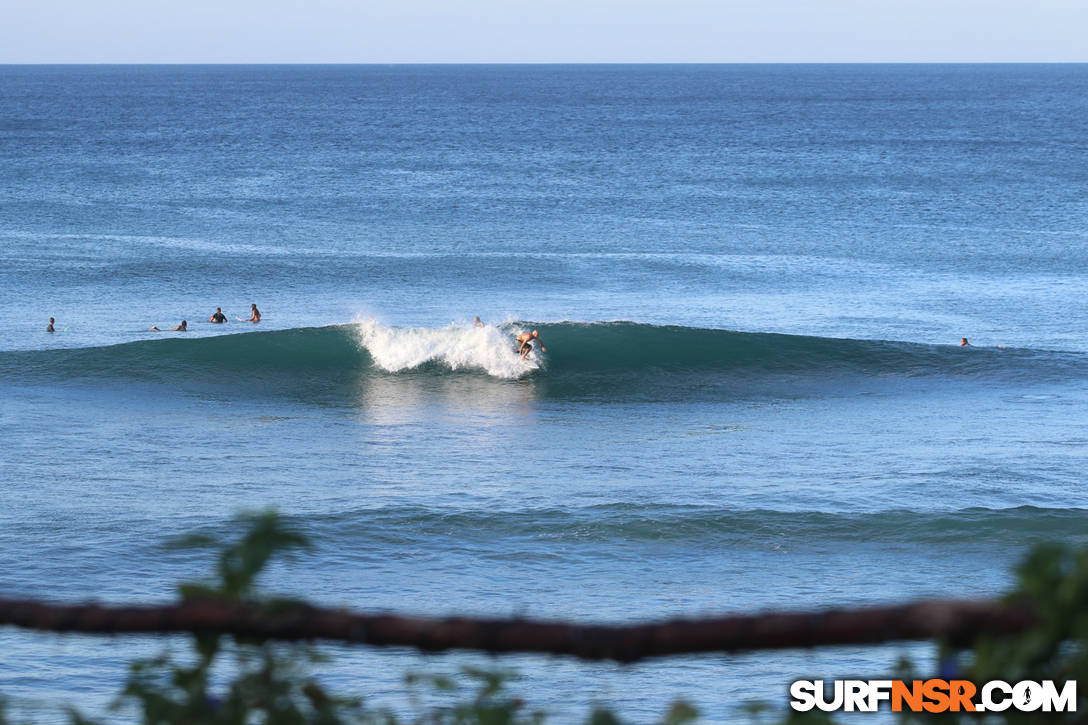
751, 281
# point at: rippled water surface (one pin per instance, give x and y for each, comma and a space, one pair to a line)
750, 280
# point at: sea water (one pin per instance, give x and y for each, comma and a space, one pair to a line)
751, 282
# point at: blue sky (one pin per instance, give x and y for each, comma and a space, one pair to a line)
471, 31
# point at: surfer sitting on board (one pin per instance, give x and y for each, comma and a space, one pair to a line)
50, 328
525, 344
218, 318
255, 315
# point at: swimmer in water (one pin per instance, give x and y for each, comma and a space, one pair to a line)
478, 322
964, 343
218, 318
525, 343
51, 321
183, 327
255, 314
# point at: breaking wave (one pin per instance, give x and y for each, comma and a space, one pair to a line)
486, 349
582, 359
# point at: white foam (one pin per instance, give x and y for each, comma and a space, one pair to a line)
490, 349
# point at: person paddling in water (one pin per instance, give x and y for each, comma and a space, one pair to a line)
183, 327
218, 318
525, 343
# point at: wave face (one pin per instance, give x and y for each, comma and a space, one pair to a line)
628, 346
582, 359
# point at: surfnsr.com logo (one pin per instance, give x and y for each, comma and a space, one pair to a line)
933, 696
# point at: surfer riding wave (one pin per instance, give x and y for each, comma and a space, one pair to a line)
525, 343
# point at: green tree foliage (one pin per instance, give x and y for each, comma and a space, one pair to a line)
1053, 579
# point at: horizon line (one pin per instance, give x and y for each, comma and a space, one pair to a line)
539, 63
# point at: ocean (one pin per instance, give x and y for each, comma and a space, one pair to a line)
751, 282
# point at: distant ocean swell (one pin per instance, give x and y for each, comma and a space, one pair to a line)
613, 523
619, 353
